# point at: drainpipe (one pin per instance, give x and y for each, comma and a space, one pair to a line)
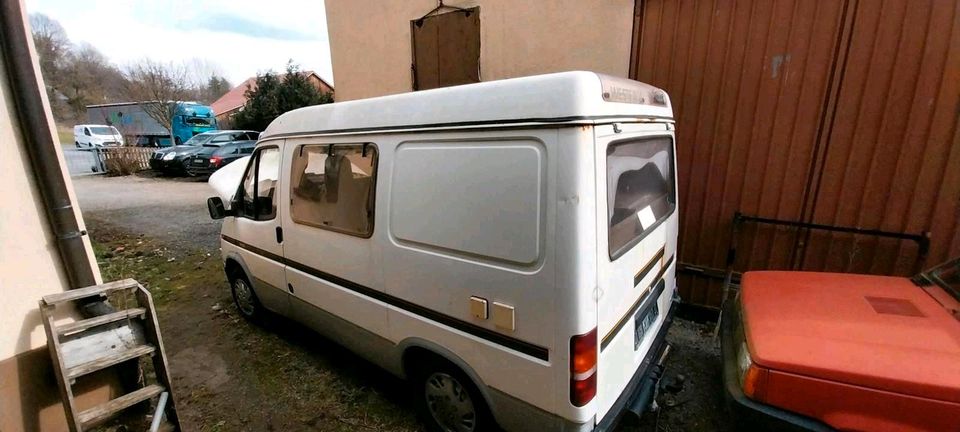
40, 145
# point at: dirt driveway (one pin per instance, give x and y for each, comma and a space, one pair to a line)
231, 375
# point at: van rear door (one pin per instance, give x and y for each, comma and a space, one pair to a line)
637, 218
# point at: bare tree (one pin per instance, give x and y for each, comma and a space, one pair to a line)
50, 40
161, 89
88, 77
53, 48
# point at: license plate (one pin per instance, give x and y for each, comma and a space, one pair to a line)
198, 161
642, 322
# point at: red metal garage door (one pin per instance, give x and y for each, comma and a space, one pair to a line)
837, 112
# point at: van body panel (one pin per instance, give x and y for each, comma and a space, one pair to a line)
471, 210
456, 275
365, 343
625, 281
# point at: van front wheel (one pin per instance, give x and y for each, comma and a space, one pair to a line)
449, 402
245, 298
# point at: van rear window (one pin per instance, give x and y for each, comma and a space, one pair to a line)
640, 190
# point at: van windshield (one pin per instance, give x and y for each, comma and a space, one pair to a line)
103, 130
640, 189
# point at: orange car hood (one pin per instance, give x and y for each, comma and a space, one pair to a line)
873, 331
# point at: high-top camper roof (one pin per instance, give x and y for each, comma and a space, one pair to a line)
566, 97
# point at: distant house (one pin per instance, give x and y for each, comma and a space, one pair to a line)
231, 102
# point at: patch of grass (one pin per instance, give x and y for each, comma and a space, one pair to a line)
65, 135
164, 272
282, 375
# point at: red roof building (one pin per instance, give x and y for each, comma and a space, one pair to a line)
231, 102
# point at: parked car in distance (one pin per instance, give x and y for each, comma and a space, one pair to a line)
91, 135
170, 160
827, 351
151, 141
513, 258
210, 158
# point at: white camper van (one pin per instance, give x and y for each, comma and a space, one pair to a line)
508, 246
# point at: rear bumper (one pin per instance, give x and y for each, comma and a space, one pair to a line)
642, 388
514, 414
200, 170
747, 413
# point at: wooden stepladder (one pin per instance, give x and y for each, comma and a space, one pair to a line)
119, 338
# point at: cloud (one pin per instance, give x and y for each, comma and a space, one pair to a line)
229, 23
241, 37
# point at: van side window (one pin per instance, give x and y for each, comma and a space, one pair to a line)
640, 190
259, 189
334, 188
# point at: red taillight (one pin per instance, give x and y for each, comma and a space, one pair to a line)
215, 161
583, 368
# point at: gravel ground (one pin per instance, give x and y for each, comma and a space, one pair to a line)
173, 211
167, 209
698, 405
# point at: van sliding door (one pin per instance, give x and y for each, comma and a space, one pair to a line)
333, 265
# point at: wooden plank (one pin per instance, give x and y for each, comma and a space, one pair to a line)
109, 360
79, 326
152, 333
53, 344
89, 291
103, 411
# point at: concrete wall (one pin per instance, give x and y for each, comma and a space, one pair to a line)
372, 54
30, 268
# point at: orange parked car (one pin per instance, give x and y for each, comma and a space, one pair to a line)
825, 351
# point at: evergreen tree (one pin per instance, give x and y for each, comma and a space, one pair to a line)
276, 94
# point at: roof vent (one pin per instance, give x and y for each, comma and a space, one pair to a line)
894, 306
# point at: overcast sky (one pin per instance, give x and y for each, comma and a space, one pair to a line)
240, 37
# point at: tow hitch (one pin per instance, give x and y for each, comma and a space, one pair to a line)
646, 399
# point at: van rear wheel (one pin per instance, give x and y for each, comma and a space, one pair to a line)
449, 402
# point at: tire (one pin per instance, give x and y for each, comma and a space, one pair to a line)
244, 298
76, 144
448, 401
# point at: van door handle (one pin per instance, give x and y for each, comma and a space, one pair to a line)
279, 235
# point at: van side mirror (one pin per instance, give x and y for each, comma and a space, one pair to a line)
217, 210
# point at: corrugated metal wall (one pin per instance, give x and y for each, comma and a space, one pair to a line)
840, 112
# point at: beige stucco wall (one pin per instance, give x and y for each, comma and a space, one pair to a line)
371, 47
30, 265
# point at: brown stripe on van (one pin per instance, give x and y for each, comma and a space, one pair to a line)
657, 258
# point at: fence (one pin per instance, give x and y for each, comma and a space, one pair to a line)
110, 160
125, 160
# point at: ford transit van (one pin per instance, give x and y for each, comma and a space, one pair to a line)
508, 246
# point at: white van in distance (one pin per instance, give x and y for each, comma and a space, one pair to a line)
509, 246
90, 135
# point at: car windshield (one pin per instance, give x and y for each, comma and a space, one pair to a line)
199, 139
199, 121
103, 130
947, 276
